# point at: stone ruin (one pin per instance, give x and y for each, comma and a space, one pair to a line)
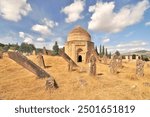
92, 65
32, 67
104, 59
140, 67
113, 65
40, 60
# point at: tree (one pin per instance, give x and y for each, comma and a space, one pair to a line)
103, 50
25, 47
106, 52
55, 48
96, 49
117, 53
100, 50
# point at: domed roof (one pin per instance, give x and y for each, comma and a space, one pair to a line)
78, 33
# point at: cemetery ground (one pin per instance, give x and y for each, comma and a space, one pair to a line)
18, 83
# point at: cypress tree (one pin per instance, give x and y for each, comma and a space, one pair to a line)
100, 50
103, 50
106, 52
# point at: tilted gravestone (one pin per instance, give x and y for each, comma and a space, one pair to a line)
67, 58
32, 67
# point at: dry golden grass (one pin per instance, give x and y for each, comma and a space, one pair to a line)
18, 83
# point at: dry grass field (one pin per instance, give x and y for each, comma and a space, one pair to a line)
18, 83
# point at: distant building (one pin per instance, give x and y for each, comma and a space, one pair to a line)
79, 46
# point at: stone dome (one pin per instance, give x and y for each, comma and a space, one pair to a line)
78, 33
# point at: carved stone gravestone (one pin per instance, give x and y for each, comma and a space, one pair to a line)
32, 67
70, 65
105, 59
40, 60
45, 51
113, 65
120, 61
1, 55
140, 68
92, 65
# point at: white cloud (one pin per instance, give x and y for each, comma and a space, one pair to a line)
27, 38
105, 40
49, 23
147, 24
74, 10
21, 34
13, 10
105, 19
132, 44
40, 39
45, 28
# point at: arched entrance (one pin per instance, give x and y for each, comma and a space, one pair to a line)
79, 55
79, 58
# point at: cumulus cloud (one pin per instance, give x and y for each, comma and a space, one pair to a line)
40, 39
27, 38
147, 24
104, 18
45, 28
105, 40
130, 46
13, 10
21, 34
74, 10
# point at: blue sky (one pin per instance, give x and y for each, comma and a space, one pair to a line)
122, 25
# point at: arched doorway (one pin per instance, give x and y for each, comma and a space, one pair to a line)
79, 58
79, 55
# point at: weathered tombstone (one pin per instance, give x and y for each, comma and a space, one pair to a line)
105, 59
127, 57
40, 60
67, 58
32, 67
45, 51
51, 83
92, 65
140, 68
120, 61
1, 55
34, 52
70, 65
113, 65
